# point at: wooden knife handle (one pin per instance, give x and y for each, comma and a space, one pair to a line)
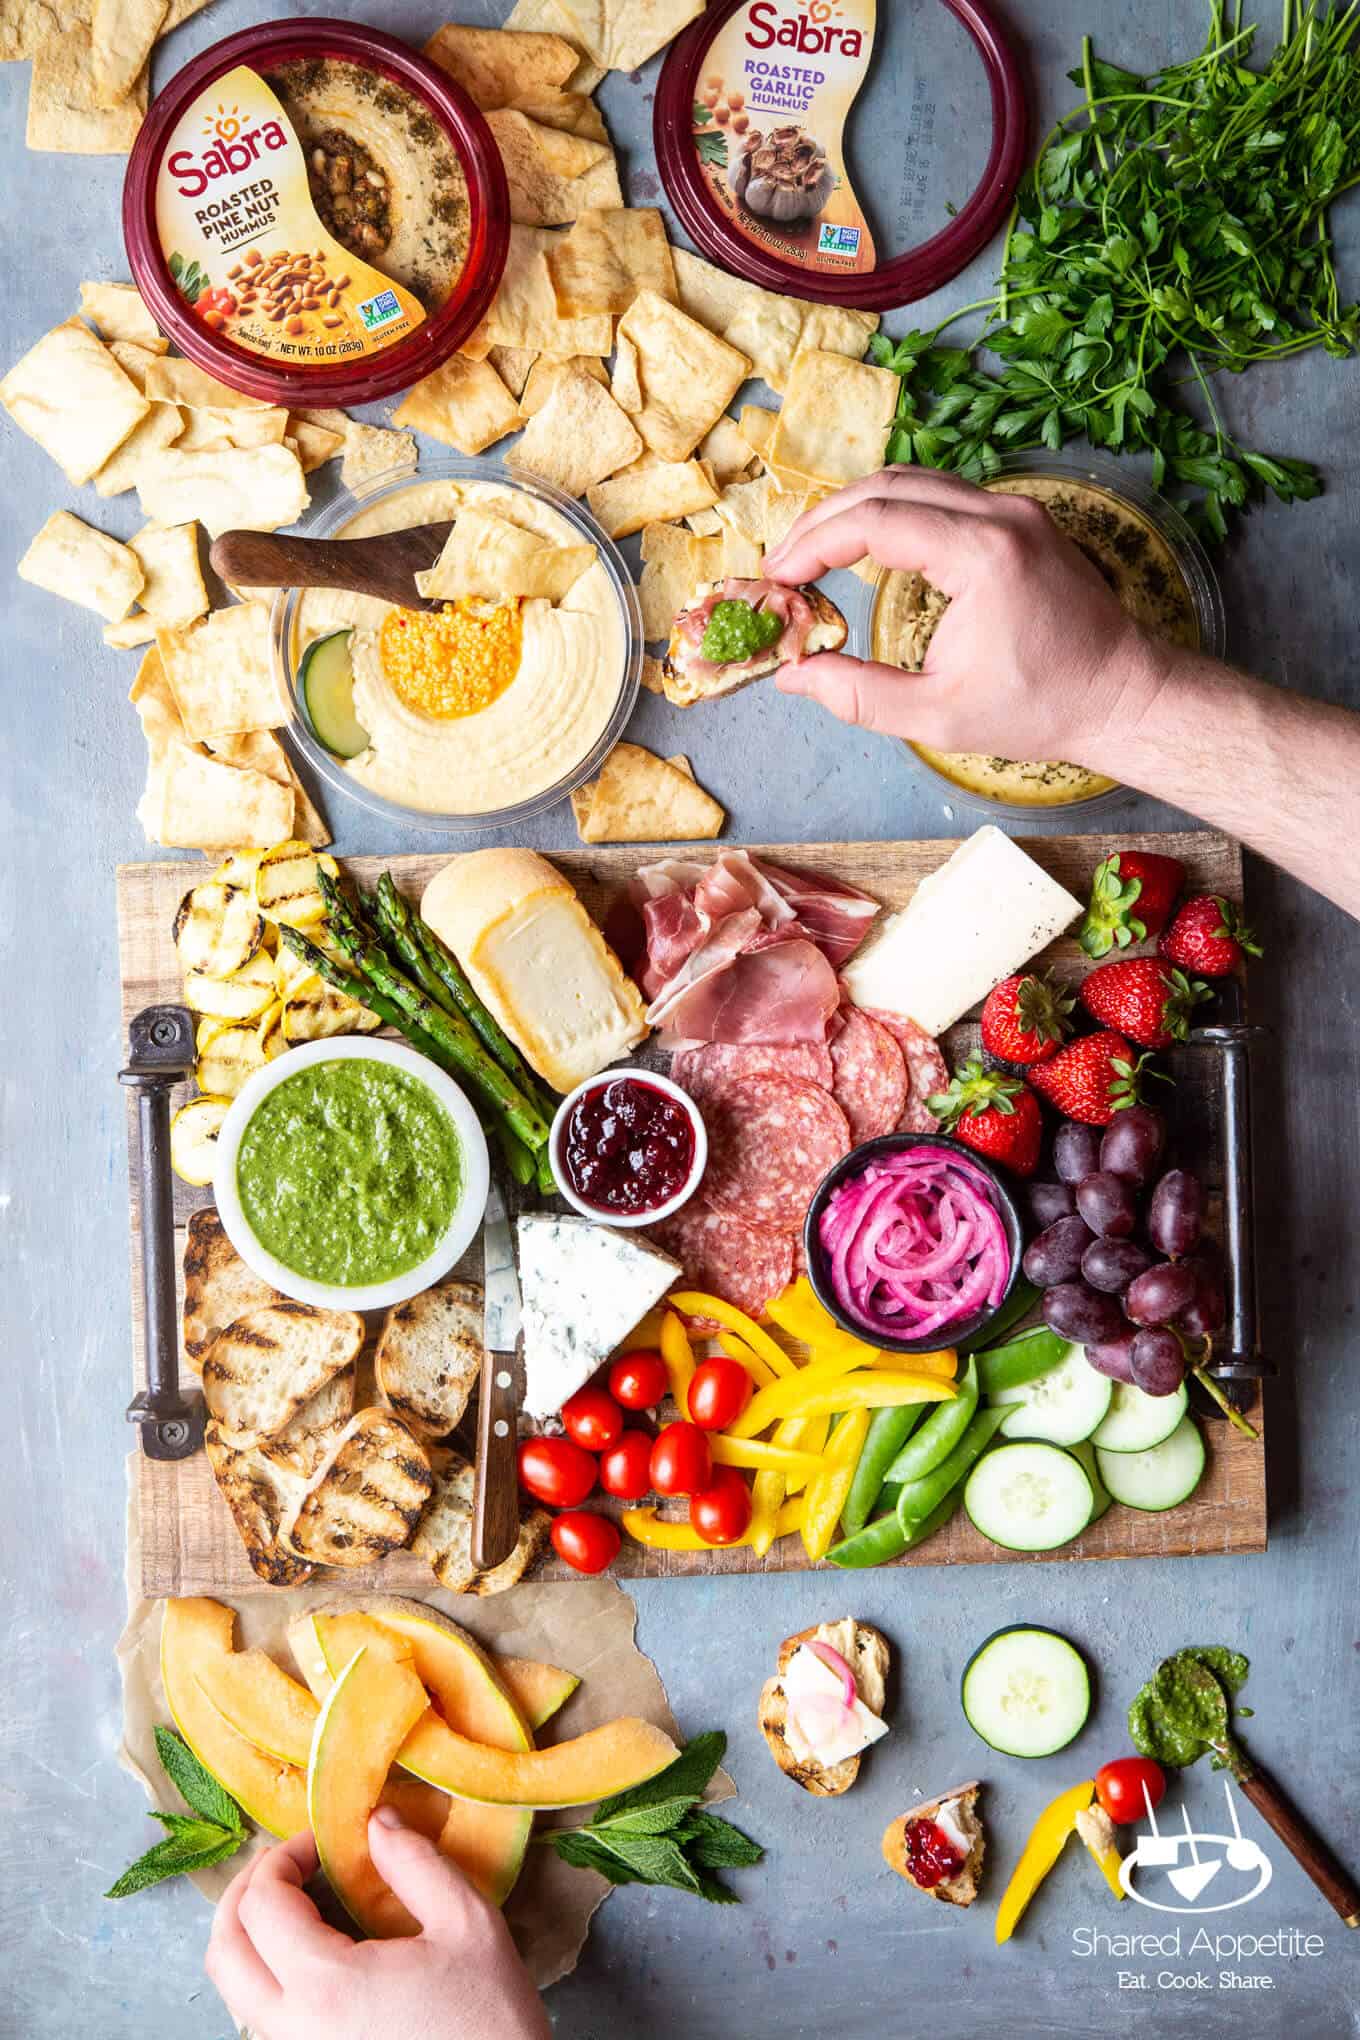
262, 559
1308, 1849
495, 1508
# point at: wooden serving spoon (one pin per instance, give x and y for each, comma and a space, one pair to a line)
384, 566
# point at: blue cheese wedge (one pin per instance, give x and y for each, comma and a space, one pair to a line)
983, 914
584, 1287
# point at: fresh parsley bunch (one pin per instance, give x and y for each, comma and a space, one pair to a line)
1171, 227
212, 1832
659, 1834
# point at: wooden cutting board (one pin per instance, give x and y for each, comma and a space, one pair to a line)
189, 1544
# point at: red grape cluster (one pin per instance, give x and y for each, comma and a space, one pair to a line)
1128, 1280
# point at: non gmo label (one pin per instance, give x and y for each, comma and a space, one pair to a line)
769, 124
245, 246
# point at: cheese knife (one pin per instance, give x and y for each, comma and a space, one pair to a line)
384, 565
495, 1508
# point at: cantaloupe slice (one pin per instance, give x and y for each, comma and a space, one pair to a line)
195, 1633
257, 1699
367, 1716
539, 1691
609, 1759
422, 1807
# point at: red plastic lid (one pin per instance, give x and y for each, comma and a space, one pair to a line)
781, 75
415, 341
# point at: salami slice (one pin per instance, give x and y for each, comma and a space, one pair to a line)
770, 1142
744, 1264
870, 1083
712, 1062
927, 1071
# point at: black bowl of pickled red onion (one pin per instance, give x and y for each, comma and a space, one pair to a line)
628, 1147
913, 1242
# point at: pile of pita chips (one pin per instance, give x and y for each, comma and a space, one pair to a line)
640, 798
91, 60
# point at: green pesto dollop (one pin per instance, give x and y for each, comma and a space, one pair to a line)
1181, 1713
349, 1172
736, 631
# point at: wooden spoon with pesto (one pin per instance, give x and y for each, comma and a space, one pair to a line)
1184, 1711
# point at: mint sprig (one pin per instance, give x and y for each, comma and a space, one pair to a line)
194, 1841
659, 1834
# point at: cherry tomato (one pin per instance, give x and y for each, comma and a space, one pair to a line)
586, 1541
593, 1419
1119, 1788
681, 1461
555, 1471
722, 1513
626, 1468
718, 1393
639, 1380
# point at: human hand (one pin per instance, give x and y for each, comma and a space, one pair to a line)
288, 1976
1034, 658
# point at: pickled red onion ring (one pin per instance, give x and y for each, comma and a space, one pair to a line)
834, 1662
915, 1243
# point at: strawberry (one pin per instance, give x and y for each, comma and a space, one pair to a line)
994, 1115
1132, 894
1025, 1019
1092, 1078
1144, 998
1208, 935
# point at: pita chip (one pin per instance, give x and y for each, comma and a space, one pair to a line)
497, 67
686, 376
69, 394
835, 418
655, 493
548, 371
608, 257
176, 381
640, 798
130, 632
486, 555
513, 365
134, 357
122, 36
373, 450
670, 574
767, 326
207, 805
119, 312
727, 450
239, 488
173, 593
622, 34
463, 403
221, 674
313, 444
73, 560
64, 110
578, 437
162, 426
550, 17
524, 311
553, 175
575, 112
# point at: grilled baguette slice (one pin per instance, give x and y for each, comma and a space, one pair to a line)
258, 1494
366, 1497
963, 1888
262, 1368
867, 1652
218, 1285
299, 1448
444, 1536
429, 1356
828, 634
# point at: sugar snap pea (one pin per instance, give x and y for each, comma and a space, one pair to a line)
888, 1433
1021, 1359
886, 1538
920, 1498
940, 1432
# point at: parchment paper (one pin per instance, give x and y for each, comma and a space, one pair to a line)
585, 1627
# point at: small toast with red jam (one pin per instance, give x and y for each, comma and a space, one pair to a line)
938, 1846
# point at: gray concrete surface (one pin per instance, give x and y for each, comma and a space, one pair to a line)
826, 1941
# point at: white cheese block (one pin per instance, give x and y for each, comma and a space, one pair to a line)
584, 1287
982, 915
809, 1737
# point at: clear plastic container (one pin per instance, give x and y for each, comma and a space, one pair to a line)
288, 647
382, 368
1116, 480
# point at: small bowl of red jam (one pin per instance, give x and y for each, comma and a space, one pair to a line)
628, 1149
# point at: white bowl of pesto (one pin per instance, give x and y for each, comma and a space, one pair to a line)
351, 1174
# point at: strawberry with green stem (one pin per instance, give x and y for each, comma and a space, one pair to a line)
1091, 1079
1025, 1019
1132, 894
1144, 998
994, 1115
1209, 936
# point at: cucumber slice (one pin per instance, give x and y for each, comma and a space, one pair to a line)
1084, 1452
1029, 1497
1160, 1478
1062, 1405
1026, 1692
326, 690
1135, 1422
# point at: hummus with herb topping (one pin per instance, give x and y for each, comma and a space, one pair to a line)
1130, 554
459, 726
384, 177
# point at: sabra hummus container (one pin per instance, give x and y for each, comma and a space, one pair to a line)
1138, 542
545, 735
315, 214
801, 142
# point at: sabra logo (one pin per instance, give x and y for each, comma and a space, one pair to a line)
812, 32
230, 151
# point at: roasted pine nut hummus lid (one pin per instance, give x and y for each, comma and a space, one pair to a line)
315, 214
855, 153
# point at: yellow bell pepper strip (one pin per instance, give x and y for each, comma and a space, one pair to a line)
646, 1334
812, 1392
802, 1434
1040, 1853
945, 1363
758, 1457
768, 1490
644, 1526
695, 1304
826, 1495
790, 1518
759, 1370
799, 1312
1096, 1830
769, 1403
679, 1358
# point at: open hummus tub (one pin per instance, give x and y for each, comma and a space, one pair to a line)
497, 703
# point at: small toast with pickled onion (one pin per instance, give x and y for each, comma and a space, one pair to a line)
867, 1653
